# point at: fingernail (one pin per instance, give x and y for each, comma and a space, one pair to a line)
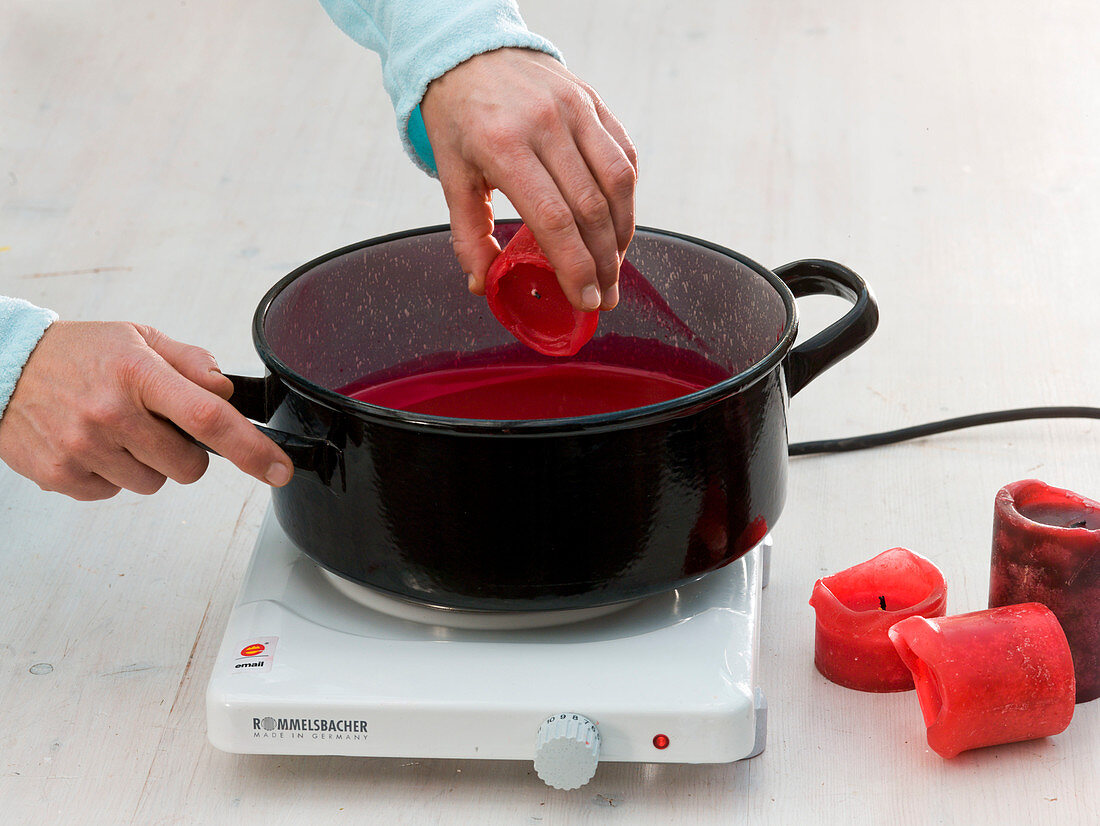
278, 474
471, 282
590, 297
611, 297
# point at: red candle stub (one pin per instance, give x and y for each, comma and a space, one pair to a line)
855, 609
524, 295
990, 677
1046, 548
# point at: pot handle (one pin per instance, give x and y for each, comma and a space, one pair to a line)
819, 277
256, 399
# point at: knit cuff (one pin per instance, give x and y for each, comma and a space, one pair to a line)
410, 121
21, 326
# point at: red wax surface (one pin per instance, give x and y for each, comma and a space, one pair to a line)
1046, 548
533, 391
524, 295
989, 677
851, 644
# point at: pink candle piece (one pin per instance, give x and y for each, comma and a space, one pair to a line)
990, 677
1046, 548
856, 607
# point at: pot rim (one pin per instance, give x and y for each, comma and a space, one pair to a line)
661, 411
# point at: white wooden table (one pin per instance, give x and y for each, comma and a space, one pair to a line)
167, 162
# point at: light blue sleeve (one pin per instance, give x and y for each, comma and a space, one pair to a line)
419, 40
21, 326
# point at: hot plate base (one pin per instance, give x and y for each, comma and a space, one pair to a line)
304, 669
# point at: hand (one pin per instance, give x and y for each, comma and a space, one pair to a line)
517, 121
91, 411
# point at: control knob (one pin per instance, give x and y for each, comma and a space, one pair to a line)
567, 750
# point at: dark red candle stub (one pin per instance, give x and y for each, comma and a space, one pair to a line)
855, 609
1046, 548
524, 295
990, 677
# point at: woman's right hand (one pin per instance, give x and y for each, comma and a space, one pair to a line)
92, 409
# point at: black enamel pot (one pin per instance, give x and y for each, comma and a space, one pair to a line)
547, 513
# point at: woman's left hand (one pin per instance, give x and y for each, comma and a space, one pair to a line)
516, 120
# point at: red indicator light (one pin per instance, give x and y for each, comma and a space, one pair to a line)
660, 741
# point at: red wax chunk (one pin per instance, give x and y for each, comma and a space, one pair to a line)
1046, 548
989, 677
851, 645
523, 293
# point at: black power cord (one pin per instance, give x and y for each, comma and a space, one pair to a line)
931, 428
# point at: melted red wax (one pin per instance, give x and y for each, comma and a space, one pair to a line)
519, 391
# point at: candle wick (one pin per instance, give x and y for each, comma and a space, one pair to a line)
1080, 524
882, 603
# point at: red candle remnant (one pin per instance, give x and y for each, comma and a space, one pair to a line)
852, 647
1046, 548
989, 677
523, 293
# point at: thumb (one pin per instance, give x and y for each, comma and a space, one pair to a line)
470, 204
193, 363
